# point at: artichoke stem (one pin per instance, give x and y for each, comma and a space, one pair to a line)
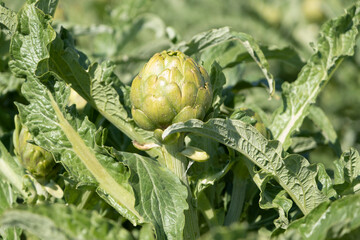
177, 163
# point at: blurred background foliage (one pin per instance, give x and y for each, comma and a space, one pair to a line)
129, 32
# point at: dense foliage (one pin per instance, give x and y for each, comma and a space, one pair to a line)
273, 152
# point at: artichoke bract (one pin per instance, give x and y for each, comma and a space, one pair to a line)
35, 159
170, 88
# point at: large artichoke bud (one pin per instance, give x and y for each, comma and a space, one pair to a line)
38, 161
170, 88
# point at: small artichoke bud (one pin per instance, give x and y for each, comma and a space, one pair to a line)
35, 159
249, 116
170, 88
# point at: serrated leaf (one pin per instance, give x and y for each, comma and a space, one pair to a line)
30, 42
338, 38
217, 79
160, 195
347, 172
9, 83
287, 54
36, 50
318, 116
272, 196
61, 222
47, 6
325, 183
293, 172
10, 187
7, 196
8, 19
221, 35
71, 139
7, 199
10, 170
327, 221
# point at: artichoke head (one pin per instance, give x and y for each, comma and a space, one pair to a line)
170, 88
35, 159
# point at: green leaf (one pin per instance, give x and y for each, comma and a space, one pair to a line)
36, 50
221, 35
302, 144
7, 196
318, 116
7, 199
218, 81
47, 6
72, 140
338, 38
287, 54
327, 221
29, 44
8, 19
325, 182
146, 232
160, 195
9, 83
293, 172
10, 170
236, 231
272, 196
63, 222
13, 173
347, 172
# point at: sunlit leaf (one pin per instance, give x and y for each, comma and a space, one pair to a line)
293, 172
338, 38
327, 221
58, 221
221, 35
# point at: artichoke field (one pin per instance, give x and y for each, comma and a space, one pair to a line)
148, 119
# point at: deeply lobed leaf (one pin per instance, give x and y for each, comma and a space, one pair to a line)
58, 221
327, 221
293, 172
160, 195
71, 140
221, 35
338, 38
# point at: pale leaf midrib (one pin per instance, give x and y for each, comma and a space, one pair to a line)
88, 158
295, 117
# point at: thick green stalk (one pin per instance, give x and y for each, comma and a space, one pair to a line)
177, 163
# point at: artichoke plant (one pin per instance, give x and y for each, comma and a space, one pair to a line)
35, 159
170, 88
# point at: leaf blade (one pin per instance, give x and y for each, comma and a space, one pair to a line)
160, 195
292, 172
328, 220
217, 36
60, 222
338, 38
71, 139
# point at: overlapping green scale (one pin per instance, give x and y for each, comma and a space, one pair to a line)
170, 88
